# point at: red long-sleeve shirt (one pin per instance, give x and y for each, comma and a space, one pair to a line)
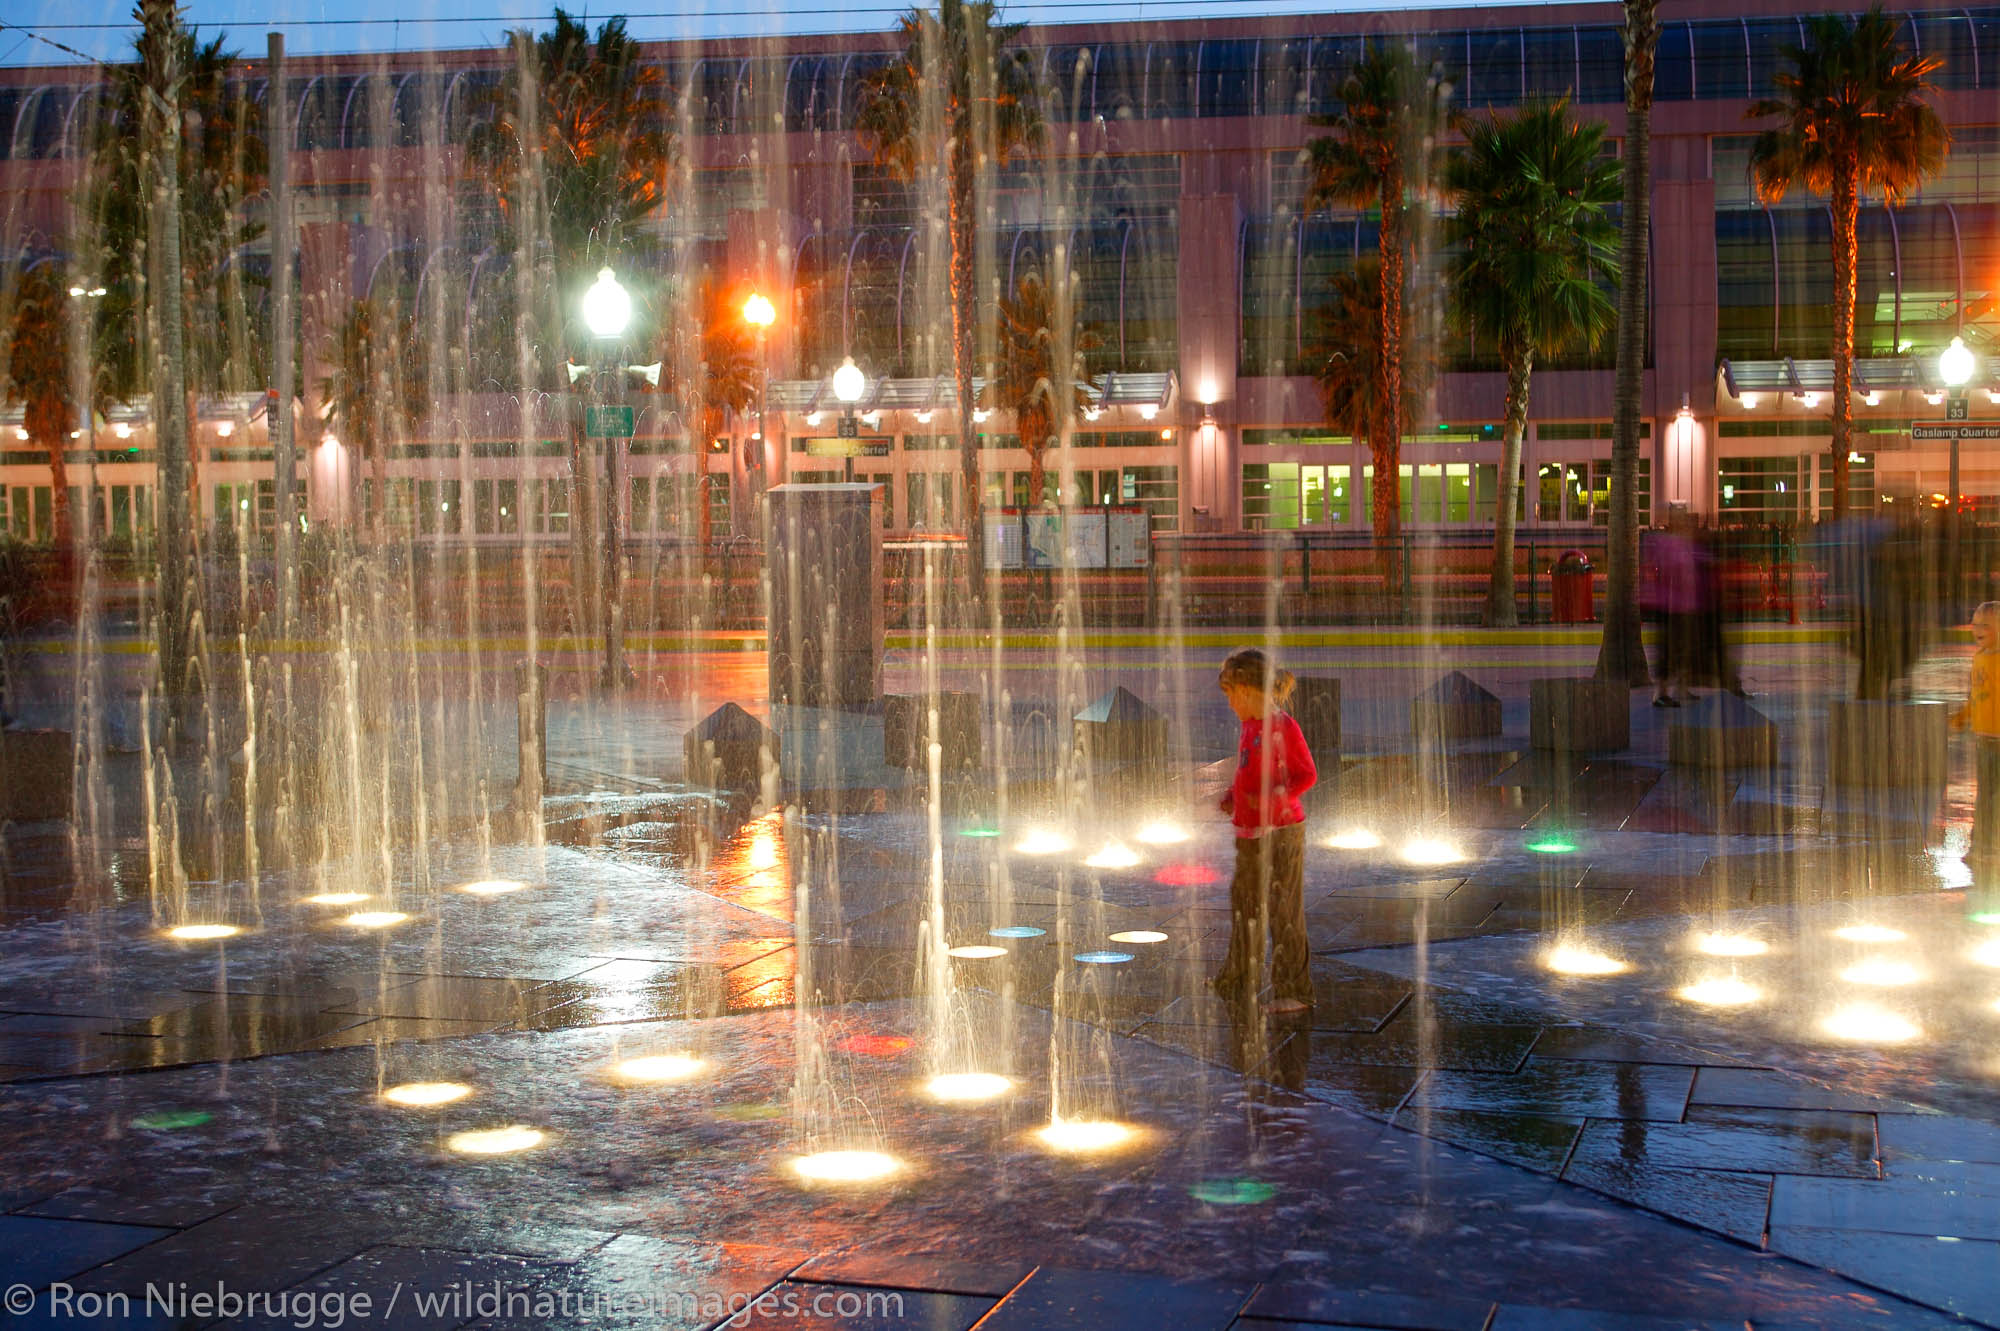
1270, 775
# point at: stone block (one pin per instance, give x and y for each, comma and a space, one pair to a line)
1315, 705
906, 730
1894, 744
823, 544
730, 750
1120, 729
1721, 731
35, 775
1454, 708
1578, 714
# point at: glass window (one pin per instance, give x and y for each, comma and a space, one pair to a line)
1600, 65
1270, 496
1158, 491
1458, 492
1861, 486
1758, 491
1495, 75
1551, 61
1673, 64
1721, 61
1170, 75
1228, 78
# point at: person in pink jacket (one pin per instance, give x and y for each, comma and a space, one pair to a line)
1267, 896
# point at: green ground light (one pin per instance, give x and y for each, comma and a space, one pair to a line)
1552, 845
1232, 1191
169, 1120
1986, 917
979, 831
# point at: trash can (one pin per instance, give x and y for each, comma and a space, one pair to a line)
1569, 589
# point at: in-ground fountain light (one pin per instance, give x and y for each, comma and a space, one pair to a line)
1113, 855
1016, 931
425, 1094
1139, 936
1086, 1136
1354, 838
1042, 841
1161, 832
846, 1166
1581, 959
496, 1141
203, 933
1987, 953
375, 919
1864, 1023
336, 899
975, 952
1552, 844
492, 887
1431, 850
655, 1069
967, 1087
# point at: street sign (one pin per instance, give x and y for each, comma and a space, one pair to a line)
607, 422
847, 448
1938, 431
1956, 407
849, 426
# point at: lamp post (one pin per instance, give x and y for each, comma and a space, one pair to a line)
760, 314
607, 310
849, 384
84, 296
1955, 369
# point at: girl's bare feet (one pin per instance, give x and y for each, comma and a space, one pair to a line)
1284, 1007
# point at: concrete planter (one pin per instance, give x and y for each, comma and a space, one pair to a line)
1579, 715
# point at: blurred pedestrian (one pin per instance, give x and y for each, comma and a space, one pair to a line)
1981, 715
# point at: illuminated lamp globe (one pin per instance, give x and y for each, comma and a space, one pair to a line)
607, 306
1955, 364
849, 383
758, 310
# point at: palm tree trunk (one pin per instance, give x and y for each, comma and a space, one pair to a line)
1387, 445
1621, 655
963, 327
1846, 216
1385, 498
1500, 609
176, 535
59, 490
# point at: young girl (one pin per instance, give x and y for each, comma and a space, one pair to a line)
1981, 715
1267, 896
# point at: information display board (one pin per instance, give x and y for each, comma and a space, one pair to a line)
1118, 536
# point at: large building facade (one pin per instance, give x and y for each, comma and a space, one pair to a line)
1171, 183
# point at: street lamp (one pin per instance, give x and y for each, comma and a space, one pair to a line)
607, 306
760, 314
1955, 365
607, 310
849, 383
83, 296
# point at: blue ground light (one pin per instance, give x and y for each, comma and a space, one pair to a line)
1016, 931
1104, 958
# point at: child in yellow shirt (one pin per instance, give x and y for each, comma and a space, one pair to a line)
1981, 715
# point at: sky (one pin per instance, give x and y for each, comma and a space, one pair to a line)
34, 32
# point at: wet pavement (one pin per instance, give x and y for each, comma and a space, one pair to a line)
1456, 1135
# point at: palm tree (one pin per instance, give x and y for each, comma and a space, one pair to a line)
375, 391
177, 152
1854, 121
39, 375
1030, 378
1532, 243
955, 103
1620, 653
1346, 351
1382, 136
576, 151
